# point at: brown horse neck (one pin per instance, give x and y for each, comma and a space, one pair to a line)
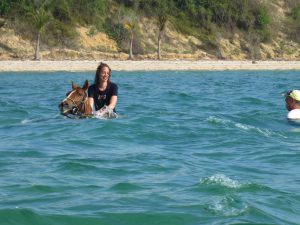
86, 109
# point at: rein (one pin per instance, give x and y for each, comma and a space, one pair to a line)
80, 105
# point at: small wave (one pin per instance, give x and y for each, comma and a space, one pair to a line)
26, 121
216, 120
228, 206
100, 117
40, 188
31, 153
75, 166
125, 187
262, 131
246, 127
222, 180
30, 216
35, 120
180, 94
295, 130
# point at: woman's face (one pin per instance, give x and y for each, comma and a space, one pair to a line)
105, 74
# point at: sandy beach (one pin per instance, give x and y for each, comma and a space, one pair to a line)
147, 65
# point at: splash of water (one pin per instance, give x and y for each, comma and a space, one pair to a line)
105, 113
228, 206
221, 179
26, 121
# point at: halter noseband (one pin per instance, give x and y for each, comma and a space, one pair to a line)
76, 107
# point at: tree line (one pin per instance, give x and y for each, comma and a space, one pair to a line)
54, 21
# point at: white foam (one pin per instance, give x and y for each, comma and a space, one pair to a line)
26, 121
105, 113
228, 207
262, 131
217, 120
221, 179
246, 127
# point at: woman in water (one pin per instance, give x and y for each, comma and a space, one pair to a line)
103, 94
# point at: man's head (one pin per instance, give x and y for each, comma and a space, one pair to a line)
292, 100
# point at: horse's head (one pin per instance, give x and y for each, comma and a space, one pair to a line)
75, 100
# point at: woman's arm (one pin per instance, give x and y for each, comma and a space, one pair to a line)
113, 102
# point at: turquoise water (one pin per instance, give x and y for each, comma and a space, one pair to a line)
187, 148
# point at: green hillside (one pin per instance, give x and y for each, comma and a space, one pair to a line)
252, 29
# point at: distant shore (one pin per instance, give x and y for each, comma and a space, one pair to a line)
146, 65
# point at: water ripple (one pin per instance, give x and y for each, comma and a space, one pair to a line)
189, 147
245, 127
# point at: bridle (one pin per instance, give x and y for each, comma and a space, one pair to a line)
78, 106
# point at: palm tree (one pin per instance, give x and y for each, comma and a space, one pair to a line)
162, 18
130, 25
40, 17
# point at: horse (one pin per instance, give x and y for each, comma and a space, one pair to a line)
75, 104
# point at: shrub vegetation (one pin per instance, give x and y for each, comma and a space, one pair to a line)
205, 19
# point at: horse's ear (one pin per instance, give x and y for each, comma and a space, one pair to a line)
86, 85
74, 86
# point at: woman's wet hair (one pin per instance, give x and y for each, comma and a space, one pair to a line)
98, 73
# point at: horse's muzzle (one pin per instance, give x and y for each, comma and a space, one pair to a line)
65, 108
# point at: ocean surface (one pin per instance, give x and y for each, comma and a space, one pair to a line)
188, 148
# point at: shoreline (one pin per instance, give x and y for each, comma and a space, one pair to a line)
145, 65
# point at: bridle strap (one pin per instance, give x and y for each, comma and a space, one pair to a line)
78, 106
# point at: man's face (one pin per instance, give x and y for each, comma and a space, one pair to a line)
289, 103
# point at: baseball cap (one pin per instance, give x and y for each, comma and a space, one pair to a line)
294, 94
